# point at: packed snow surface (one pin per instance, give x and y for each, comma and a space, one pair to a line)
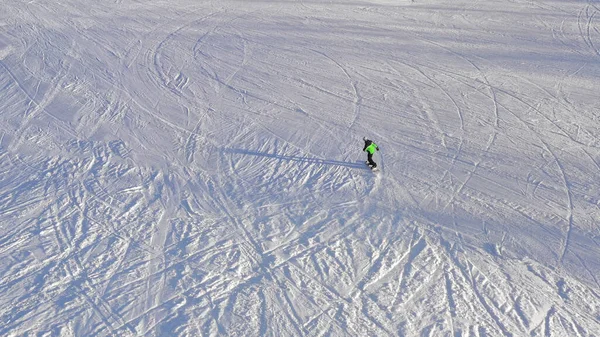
195, 168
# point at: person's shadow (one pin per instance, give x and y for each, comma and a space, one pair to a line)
358, 164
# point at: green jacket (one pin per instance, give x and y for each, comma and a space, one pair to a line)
370, 146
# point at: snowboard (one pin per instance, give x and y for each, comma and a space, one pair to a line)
374, 169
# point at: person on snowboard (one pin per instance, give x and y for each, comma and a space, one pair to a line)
370, 147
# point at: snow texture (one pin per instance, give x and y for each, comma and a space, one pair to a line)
194, 168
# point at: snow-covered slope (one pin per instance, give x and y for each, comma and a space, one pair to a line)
194, 168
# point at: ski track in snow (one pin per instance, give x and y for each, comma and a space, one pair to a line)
194, 168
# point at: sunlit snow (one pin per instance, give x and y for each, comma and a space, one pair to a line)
195, 168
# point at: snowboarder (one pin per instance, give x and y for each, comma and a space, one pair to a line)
370, 147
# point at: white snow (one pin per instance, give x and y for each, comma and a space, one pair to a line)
194, 168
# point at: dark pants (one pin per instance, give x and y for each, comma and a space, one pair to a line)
370, 160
